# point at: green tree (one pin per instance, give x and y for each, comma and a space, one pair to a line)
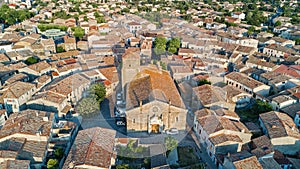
261, 107
160, 45
123, 166
203, 82
251, 30
78, 32
59, 153
31, 60
99, 90
52, 164
88, 105
85, 18
60, 49
173, 45
170, 143
277, 23
297, 41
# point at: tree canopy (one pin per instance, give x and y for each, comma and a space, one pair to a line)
160, 45
52, 164
173, 45
44, 27
78, 32
31, 60
170, 143
12, 16
99, 90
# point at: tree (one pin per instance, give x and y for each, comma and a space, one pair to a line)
251, 30
297, 41
122, 166
277, 23
31, 60
160, 45
52, 164
59, 153
173, 45
99, 90
85, 18
170, 143
78, 32
261, 107
60, 49
203, 82
88, 105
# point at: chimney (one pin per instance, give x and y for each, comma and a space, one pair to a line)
141, 106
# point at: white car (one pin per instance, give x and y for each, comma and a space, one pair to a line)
172, 131
120, 123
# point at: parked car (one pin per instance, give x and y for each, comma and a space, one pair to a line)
120, 123
172, 131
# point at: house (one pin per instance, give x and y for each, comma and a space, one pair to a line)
207, 96
241, 160
282, 131
11, 164
220, 132
49, 45
294, 112
104, 28
111, 79
16, 95
37, 69
92, 148
153, 106
82, 45
277, 81
247, 84
72, 87
49, 101
236, 96
254, 62
133, 27
278, 51
261, 147
282, 101
238, 15
25, 136
180, 73
69, 43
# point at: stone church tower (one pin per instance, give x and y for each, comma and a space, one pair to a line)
130, 66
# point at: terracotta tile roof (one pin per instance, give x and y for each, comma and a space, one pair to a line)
244, 80
69, 84
92, 147
110, 73
148, 84
18, 89
49, 96
132, 53
279, 125
208, 94
261, 146
214, 123
288, 71
248, 163
40, 66
16, 77
3, 58
15, 164
28, 122
223, 138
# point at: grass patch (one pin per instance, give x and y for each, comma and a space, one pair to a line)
186, 156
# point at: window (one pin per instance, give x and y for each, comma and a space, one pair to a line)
133, 120
176, 119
